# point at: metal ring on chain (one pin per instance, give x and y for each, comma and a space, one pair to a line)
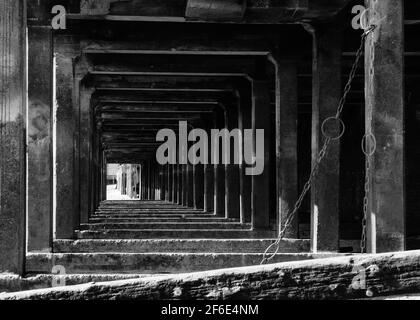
342, 128
364, 144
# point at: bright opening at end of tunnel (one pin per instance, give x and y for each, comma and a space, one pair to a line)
123, 181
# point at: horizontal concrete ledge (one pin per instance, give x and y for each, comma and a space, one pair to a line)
388, 274
164, 225
161, 219
159, 214
174, 234
178, 245
152, 262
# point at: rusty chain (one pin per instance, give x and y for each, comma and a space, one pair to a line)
291, 214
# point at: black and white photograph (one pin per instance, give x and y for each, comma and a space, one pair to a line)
210, 156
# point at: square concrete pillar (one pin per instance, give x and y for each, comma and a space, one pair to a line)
261, 119
286, 143
12, 136
232, 202
85, 149
219, 173
326, 93
170, 182
198, 186
174, 183
208, 188
40, 140
190, 185
179, 183
67, 201
184, 185
245, 181
384, 76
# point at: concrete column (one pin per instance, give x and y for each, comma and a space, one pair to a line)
12, 135
162, 182
103, 175
384, 78
198, 186
261, 119
326, 95
208, 188
153, 181
245, 123
184, 185
190, 185
232, 202
286, 143
219, 175
149, 181
170, 181
153, 173
85, 150
97, 170
66, 136
179, 183
174, 183
166, 181
40, 115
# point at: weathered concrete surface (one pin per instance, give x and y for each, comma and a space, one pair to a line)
66, 138
261, 119
208, 196
392, 273
40, 155
174, 234
286, 142
198, 186
178, 245
13, 282
226, 10
232, 197
165, 225
12, 136
326, 95
85, 143
152, 262
384, 82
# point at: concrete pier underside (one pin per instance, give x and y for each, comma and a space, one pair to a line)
100, 91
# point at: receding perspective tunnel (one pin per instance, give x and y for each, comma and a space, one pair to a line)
180, 136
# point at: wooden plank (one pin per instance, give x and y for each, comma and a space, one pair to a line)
332, 278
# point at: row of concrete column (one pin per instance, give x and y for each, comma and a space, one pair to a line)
384, 94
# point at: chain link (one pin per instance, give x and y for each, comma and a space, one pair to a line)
291, 214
